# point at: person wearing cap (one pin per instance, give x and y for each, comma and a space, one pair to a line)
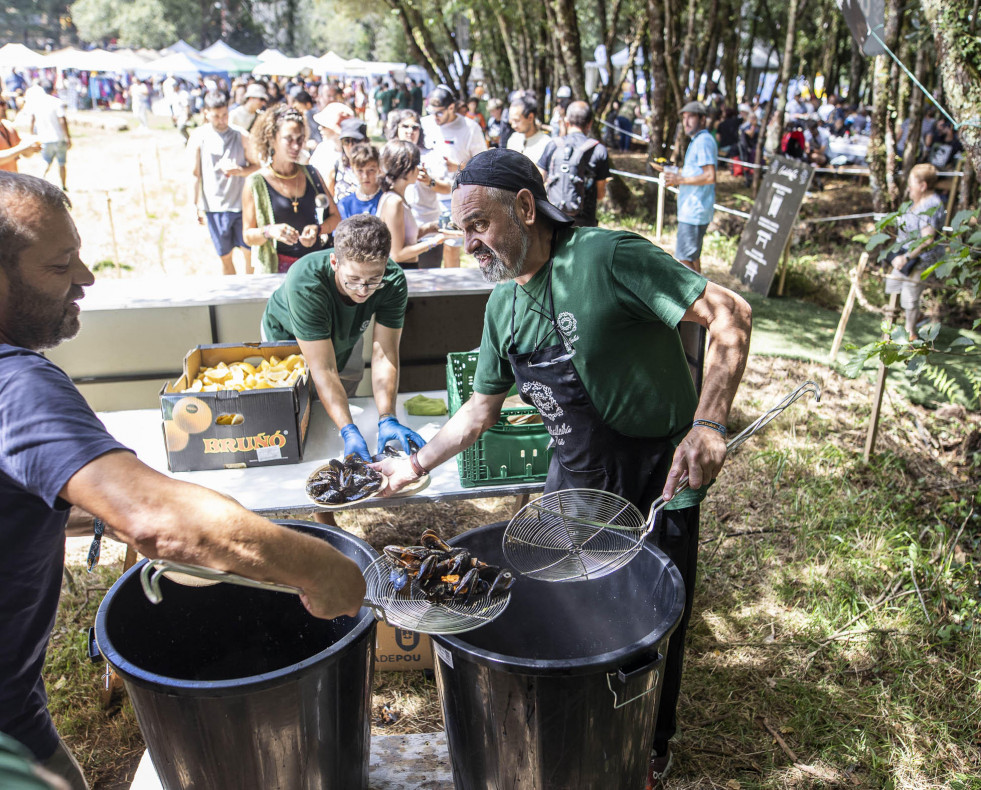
696, 186
456, 139
557, 124
328, 121
342, 180
245, 114
584, 322
326, 304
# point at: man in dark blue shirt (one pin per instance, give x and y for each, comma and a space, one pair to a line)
59, 467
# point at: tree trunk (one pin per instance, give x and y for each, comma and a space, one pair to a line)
959, 70
774, 129
659, 76
916, 106
855, 73
567, 31
688, 53
706, 63
830, 49
882, 144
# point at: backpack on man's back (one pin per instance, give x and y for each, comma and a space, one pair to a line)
569, 175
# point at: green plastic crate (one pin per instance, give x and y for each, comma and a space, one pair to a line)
505, 453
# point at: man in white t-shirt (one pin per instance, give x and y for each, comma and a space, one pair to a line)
528, 138
456, 139
46, 118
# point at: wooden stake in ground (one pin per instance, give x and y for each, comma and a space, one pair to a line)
661, 187
112, 231
784, 263
849, 305
146, 210
156, 149
880, 384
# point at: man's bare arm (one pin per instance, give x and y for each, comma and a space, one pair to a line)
728, 319
170, 519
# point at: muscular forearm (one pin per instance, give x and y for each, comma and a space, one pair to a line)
384, 381
331, 392
170, 519
725, 361
462, 430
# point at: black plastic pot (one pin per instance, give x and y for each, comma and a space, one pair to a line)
237, 688
561, 691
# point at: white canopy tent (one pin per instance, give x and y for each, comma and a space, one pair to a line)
286, 67
94, 60
270, 54
18, 56
228, 58
180, 64
179, 46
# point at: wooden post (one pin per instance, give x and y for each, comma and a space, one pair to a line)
880, 384
784, 263
156, 149
953, 190
146, 210
112, 231
849, 305
661, 187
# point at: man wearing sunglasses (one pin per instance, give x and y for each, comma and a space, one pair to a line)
326, 304
584, 323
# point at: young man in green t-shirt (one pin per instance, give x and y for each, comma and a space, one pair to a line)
584, 323
326, 304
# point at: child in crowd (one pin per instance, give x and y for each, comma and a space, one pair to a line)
364, 199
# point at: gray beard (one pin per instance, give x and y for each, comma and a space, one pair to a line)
502, 268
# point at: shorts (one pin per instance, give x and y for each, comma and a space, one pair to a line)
688, 245
225, 228
909, 288
52, 151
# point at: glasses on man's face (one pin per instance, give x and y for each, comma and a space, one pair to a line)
354, 285
439, 112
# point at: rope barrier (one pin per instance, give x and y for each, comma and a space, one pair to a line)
622, 131
716, 206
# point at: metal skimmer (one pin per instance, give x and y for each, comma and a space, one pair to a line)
407, 608
580, 534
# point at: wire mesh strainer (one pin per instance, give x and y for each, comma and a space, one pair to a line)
579, 534
408, 608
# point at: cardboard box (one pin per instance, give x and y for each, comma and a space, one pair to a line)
271, 430
398, 649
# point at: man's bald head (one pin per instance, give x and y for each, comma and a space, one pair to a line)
579, 114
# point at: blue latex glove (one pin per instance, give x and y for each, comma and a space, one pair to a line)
354, 442
391, 429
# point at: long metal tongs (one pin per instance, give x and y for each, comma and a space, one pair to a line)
808, 387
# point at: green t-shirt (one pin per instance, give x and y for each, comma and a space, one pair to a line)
618, 299
307, 306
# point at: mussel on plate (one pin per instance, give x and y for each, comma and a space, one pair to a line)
341, 482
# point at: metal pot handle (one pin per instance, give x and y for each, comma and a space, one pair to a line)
151, 572
624, 676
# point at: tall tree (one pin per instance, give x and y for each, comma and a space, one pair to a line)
959, 61
882, 142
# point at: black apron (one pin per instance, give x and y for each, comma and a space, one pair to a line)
588, 452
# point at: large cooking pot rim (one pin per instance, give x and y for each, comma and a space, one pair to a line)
612, 660
185, 687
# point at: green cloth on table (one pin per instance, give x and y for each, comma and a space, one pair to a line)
421, 406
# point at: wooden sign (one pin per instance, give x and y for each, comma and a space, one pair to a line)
771, 222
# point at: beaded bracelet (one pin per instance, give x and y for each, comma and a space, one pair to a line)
715, 426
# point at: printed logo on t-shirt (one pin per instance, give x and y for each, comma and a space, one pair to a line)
541, 396
567, 325
364, 326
